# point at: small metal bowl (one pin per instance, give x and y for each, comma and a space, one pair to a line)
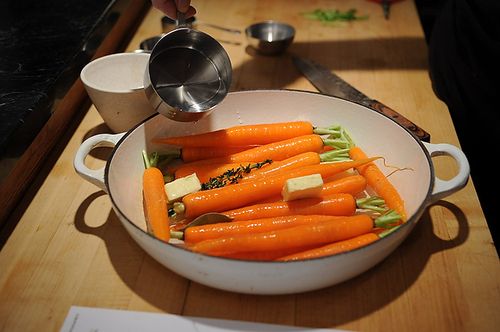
188, 74
270, 37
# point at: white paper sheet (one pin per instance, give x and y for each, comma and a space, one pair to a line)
83, 319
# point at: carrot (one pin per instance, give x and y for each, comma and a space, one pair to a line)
379, 182
333, 248
204, 232
353, 184
274, 151
241, 194
332, 205
262, 255
294, 237
299, 160
194, 153
349, 244
255, 134
155, 201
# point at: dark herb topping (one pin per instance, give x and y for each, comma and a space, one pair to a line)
232, 175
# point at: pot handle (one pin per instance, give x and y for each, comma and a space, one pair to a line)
95, 176
443, 188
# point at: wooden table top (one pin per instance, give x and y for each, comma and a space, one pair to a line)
69, 247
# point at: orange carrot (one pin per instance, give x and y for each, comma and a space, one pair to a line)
155, 203
262, 255
204, 232
379, 183
274, 151
333, 248
332, 205
255, 134
353, 184
294, 237
241, 194
299, 160
189, 154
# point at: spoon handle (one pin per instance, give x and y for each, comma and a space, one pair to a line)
181, 19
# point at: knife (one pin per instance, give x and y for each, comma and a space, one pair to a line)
329, 83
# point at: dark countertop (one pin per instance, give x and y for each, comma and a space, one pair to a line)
43, 46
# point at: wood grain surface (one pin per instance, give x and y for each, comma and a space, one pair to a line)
69, 248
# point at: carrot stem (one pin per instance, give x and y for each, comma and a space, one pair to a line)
334, 130
146, 160
389, 231
388, 219
334, 155
373, 203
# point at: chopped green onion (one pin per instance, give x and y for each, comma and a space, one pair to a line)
334, 15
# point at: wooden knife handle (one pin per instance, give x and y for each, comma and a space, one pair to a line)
416, 130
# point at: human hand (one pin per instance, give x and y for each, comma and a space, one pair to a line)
170, 7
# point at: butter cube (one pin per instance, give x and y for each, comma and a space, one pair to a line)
181, 187
302, 187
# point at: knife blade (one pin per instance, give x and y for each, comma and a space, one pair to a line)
329, 83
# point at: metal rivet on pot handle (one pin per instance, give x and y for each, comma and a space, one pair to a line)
94, 176
443, 188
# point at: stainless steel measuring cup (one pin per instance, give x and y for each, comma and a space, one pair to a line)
188, 73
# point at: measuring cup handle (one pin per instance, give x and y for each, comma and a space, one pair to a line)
94, 176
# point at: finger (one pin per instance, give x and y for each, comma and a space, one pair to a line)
190, 12
167, 7
183, 5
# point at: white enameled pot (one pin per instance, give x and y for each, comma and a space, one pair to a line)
375, 133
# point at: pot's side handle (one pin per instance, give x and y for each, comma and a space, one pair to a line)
94, 176
443, 188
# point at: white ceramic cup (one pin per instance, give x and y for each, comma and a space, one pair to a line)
115, 84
